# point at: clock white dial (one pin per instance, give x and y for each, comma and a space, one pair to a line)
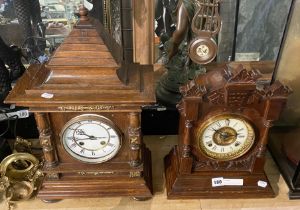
226, 137
91, 138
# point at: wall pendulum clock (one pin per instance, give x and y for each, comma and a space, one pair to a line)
225, 117
87, 108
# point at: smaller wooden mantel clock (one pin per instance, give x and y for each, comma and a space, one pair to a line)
87, 108
225, 117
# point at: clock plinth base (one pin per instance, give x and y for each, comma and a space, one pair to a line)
63, 189
199, 184
92, 187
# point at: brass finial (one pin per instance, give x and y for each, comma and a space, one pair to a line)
83, 12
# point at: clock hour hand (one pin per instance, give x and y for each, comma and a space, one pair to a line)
218, 131
81, 132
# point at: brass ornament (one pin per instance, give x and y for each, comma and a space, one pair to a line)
95, 173
19, 177
18, 165
86, 108
22, 145
133, 174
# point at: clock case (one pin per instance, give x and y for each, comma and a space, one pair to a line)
284, 147
188, 171
83, 77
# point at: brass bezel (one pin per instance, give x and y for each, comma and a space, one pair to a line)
226, 156
90, 117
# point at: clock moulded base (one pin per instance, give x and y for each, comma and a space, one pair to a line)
199, 184
68, 186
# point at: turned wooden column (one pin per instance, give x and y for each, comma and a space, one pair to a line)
46, 139
186, 148
134, 136
264, 138
186, 157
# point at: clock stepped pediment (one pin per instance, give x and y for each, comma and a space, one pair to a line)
84, 68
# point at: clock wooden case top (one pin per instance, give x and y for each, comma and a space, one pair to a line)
87, 108
225, 117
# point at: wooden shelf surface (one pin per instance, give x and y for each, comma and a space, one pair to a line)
160, 146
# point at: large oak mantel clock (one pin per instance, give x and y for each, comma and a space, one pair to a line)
87, 107
225, 117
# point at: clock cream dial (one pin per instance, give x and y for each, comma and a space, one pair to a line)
226, 137
202, 50
91, 138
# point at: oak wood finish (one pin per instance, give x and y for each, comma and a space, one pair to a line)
188, 170
84, 78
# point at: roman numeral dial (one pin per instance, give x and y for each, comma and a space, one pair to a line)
225, 137
91, 138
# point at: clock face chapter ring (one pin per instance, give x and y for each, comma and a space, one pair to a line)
225, 137
91, 138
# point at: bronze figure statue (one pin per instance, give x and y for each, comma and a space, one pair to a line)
190, 46
10, 56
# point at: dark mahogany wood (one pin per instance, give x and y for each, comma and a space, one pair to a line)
189, 171
284, 147
83, 77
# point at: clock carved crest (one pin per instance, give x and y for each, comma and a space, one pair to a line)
87, 106
225, 117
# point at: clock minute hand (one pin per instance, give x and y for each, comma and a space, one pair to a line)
92, 138
84, 139
217, 131
81, 132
